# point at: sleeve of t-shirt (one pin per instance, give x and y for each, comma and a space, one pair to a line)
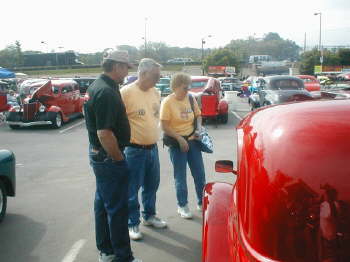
165, 113
197, 111
105, 108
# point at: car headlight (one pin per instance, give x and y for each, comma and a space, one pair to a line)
15, 109
42, 108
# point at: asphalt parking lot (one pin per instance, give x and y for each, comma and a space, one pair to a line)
51, 218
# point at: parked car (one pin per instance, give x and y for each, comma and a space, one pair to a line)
344, 77
277, 90
163, 86
291, 198
54, 103
230, 84
84, 83
310, 82
198, 83
7, 179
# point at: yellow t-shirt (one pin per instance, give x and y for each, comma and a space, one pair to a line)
142, 108
179, 114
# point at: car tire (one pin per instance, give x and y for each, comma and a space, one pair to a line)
57, 120
3, 201
224, 118
14, 126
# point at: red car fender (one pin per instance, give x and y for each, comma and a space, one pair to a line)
223, 107
217, 203
58, 109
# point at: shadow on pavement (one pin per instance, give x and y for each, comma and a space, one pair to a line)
19, 235
188, 249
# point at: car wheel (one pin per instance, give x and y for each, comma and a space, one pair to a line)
14, 126
3, 201
224, 118
57, 120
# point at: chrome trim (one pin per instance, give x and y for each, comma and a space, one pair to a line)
37, 123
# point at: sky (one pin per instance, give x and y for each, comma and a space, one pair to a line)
91, 26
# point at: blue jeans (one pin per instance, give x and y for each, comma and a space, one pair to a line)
144, 172
195, 161
111, 206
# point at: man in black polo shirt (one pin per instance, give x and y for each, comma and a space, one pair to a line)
109, 132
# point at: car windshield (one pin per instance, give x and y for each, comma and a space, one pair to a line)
286, 84
164, 81
198, 84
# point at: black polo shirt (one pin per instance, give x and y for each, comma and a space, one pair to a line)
105, 109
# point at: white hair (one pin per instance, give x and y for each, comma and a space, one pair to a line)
146, 65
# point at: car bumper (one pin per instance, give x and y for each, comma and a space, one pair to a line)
36, 123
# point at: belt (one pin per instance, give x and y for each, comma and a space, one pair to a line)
142, 146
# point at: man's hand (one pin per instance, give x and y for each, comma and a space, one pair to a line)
110, 144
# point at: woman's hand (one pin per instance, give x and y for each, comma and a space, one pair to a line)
183, 144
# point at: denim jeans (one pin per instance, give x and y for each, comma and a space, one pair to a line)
144, 172
111, 206
195, 161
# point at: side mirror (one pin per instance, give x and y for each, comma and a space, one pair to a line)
224, 166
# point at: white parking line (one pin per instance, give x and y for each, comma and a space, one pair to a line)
69, 128
236, 115
74, 251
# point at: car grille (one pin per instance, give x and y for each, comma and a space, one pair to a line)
29, 111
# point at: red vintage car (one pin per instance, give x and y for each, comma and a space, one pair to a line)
55, 102
310, 82
291, 198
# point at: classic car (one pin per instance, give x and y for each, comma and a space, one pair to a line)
290, 201
230, 84
310, 82
277, 90
163, 86
53, 103
198, 83
7, 179
84, 83
344, 77
211, 102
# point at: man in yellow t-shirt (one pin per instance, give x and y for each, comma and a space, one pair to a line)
142, 103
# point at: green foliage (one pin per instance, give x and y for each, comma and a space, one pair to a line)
271, 44
11, 56
309, 59
344, 56
221, 57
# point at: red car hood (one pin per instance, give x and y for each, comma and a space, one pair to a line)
43, 93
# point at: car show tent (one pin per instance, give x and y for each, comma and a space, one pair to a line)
4, 73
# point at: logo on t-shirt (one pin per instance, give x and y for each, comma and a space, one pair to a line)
141, 112
185, 113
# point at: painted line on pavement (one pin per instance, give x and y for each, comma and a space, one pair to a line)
236, 115
74, 251
69, 128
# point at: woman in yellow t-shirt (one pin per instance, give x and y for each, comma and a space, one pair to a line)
177, 120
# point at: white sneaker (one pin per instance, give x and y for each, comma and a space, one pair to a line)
155, 222
105, 258
199, 208
134, 233
184, 212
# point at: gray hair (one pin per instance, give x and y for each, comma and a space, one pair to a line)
146, 65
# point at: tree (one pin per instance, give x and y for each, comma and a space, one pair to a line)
11, 56
308, 60
344, 56
222, 57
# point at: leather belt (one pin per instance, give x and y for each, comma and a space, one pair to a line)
142, 146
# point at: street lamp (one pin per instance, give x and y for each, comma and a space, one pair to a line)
320, 42
145, 37
203, 42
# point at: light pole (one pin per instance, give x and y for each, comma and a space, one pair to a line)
145, 37
320, 41
203, 42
